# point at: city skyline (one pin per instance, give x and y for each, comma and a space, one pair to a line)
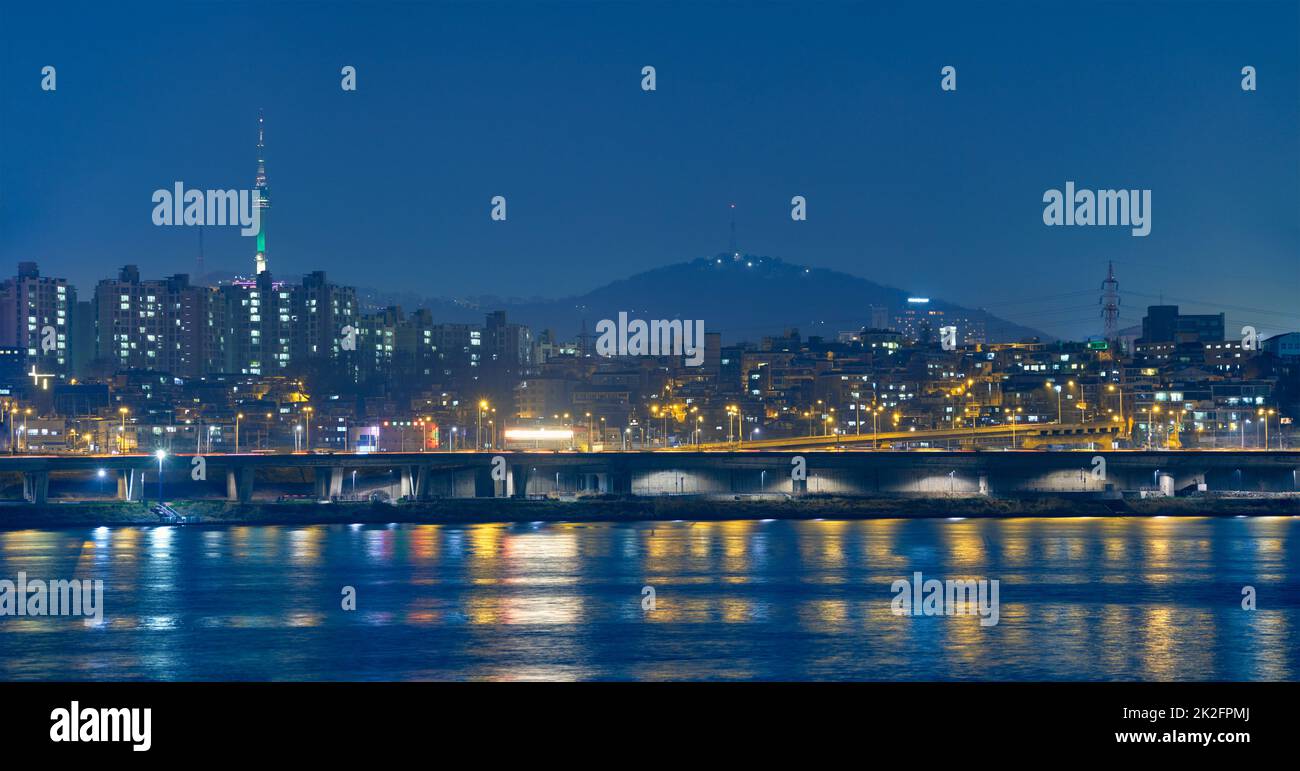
583, 156
353, 342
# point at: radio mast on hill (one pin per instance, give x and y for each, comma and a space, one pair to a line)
734, 253
1110, 303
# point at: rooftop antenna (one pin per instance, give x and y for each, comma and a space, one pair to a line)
734, 254
1110, 302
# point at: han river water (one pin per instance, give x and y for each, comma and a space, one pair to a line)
1080, 599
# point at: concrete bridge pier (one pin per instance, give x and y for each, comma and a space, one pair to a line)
423, 479
519, 479
484, 485
445, 483
36, 487
130, 485
618, 481
329, 482
406, 482
239, 485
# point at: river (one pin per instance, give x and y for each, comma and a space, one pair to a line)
1078, 599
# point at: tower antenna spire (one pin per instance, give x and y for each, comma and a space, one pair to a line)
734, 253
1110, 302
263, 193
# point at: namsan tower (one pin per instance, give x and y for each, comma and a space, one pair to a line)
263, 201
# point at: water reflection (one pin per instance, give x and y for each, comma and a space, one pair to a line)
1080, 599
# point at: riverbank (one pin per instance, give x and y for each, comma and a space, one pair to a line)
619, 509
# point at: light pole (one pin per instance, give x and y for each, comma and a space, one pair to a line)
238, 416
1123, 425
478, 435
121, 431
160, 454
307, 442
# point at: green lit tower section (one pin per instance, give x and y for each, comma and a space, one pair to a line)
263, 201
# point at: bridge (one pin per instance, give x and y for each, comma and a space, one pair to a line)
245, 478
1013, 436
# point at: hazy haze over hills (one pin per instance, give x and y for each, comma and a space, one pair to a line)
744, 298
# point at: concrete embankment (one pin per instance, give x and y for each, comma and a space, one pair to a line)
616, 509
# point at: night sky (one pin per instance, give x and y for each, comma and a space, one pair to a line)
937, 193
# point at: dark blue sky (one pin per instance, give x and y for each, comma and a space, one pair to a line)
938, 193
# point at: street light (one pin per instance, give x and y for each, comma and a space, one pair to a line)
9, 408
1123, 425
1264, 415
160, 455
307, 443
238, 416
121, 431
